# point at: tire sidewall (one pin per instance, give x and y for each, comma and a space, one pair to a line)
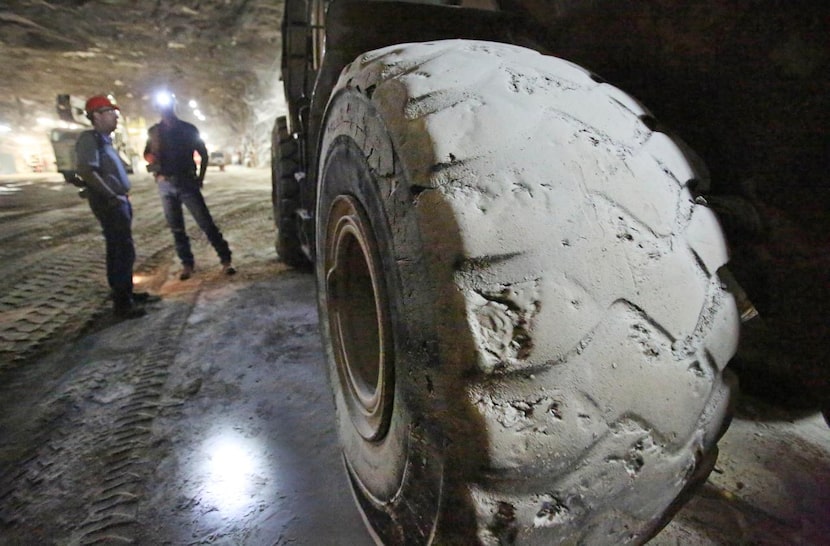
405, 458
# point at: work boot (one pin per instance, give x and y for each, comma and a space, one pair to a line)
145, 297
228, 269
187, 272
128, 311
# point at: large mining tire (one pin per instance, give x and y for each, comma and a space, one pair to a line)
285, 194
519, 299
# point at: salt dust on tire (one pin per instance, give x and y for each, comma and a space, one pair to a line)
530, 252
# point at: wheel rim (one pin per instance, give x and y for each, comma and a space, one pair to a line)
358, 319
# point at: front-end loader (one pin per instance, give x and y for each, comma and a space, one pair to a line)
522, 280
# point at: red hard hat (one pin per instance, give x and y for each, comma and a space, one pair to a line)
97, 102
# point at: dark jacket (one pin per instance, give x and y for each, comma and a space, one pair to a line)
172, 145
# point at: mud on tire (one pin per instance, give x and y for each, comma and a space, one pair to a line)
519, 298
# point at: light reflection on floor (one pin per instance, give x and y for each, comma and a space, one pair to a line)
234, 469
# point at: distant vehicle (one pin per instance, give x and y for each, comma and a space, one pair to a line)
63, 144
218, 159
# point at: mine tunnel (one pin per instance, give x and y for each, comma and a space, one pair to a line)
504, 272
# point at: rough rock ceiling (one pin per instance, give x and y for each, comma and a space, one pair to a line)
222, 53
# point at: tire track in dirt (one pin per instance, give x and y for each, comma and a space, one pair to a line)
86, 466
53, 276
57, 292
112, 509
80, 471
57, 299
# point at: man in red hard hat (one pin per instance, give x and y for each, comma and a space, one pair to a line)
108, 187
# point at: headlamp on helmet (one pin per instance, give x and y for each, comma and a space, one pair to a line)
164, 100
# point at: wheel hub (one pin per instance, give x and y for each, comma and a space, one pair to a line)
358, 319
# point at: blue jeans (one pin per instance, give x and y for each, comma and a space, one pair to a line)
116, 222
186, 192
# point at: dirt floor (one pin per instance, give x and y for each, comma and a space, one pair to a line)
210, 421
